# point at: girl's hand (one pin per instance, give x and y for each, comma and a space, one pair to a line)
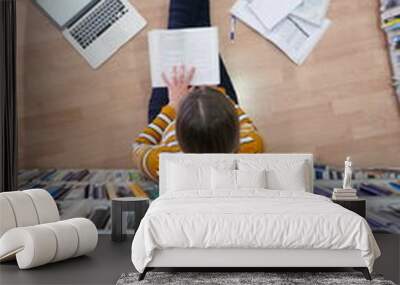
178, 85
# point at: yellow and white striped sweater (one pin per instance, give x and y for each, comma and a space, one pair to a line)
159, 136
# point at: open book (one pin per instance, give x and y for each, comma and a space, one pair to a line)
294, 36
196, 47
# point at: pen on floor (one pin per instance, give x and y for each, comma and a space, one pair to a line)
233, 29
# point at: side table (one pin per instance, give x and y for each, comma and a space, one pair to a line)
119, 209
357, 206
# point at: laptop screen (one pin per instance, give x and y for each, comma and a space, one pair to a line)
63, 11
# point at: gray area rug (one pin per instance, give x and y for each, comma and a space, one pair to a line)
269, 278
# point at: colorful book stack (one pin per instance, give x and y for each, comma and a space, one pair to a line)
390, 17
325, 172
344, 194
87, 192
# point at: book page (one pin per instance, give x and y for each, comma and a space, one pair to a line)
197, 47
166, 49
295, 37
207, 66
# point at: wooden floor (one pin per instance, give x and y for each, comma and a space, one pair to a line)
339, 103
110, 259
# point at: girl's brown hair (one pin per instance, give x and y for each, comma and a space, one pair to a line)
207, 123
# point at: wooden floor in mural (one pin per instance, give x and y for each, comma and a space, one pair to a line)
339, 102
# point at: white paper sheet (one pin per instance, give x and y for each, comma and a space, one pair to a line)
295, 37
312, 11
197, 47
271, 12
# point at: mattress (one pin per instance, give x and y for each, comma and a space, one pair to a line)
250, 219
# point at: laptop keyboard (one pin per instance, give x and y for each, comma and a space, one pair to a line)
98, 21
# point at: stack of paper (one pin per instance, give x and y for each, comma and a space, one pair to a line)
271, 12
312, 11
295, 26
344, 194
391, 24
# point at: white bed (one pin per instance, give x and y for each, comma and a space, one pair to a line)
249, 227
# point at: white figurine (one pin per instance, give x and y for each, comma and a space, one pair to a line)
347, 174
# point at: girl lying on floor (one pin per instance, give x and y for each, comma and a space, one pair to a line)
189, 119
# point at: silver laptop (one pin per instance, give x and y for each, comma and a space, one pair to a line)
96, 28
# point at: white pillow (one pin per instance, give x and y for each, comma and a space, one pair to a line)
201, 161
225, 179
180, 170
184, 178
251, 178
285, 174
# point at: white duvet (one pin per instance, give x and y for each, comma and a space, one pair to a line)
250, 219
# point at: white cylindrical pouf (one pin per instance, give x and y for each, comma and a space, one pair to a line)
7, 218
45, 205
67, 240
41, 244
23, 208
34, 246
87, 234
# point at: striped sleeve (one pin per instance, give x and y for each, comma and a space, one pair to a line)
152, 134
250, 139
147, 158
146, 148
